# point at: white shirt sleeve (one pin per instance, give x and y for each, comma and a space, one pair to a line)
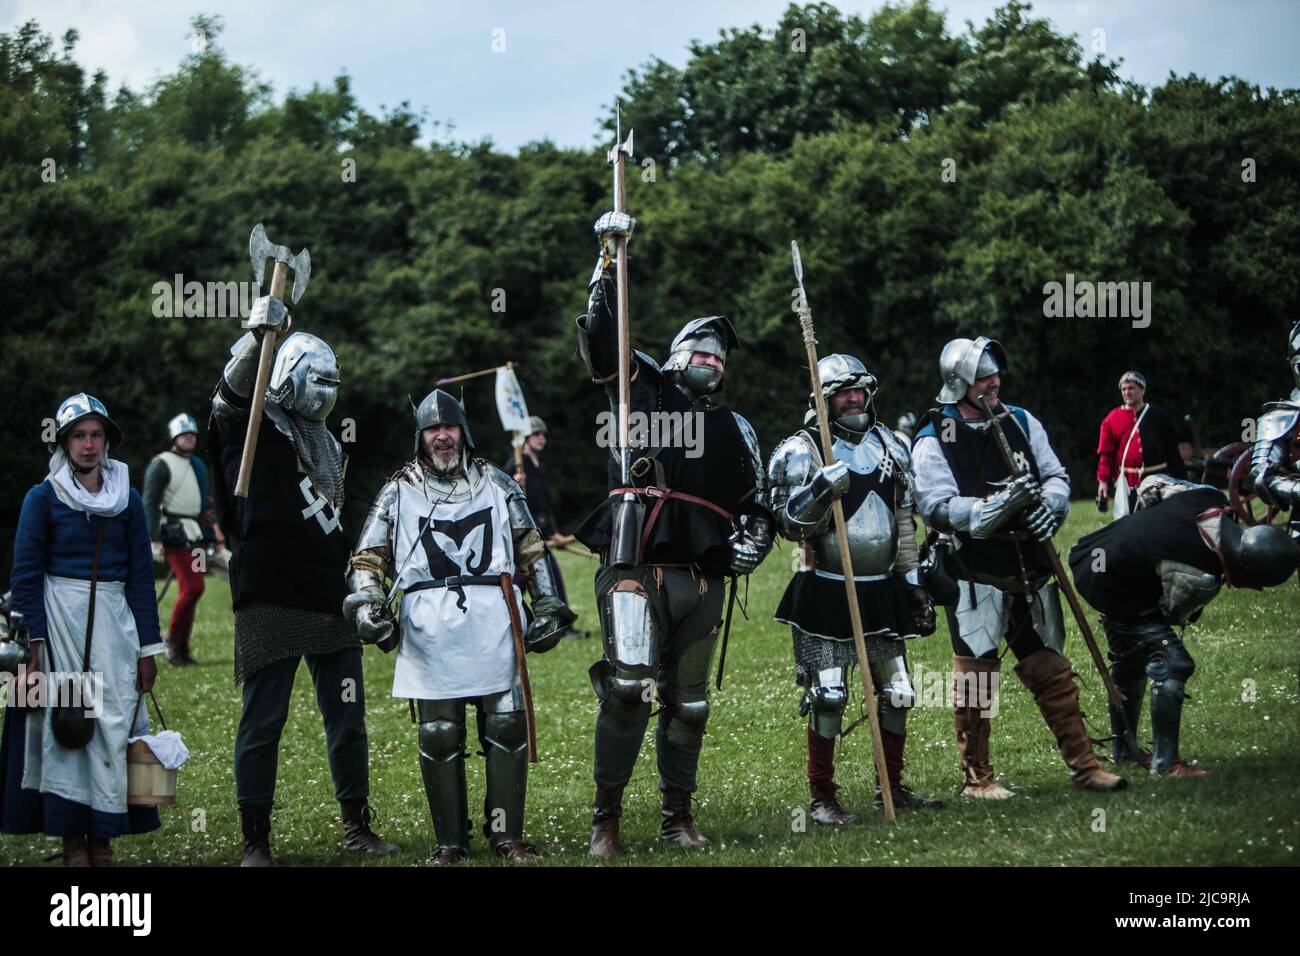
1055, 481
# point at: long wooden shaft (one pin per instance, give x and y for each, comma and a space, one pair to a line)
468, 375
1058, 571
521, 665
264, 362
624, 333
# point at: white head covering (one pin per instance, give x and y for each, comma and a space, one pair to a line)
114, 492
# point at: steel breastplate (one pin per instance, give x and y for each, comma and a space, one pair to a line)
868, 512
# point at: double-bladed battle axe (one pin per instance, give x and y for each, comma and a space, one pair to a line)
260, 248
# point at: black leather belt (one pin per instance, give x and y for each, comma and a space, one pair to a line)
456, 581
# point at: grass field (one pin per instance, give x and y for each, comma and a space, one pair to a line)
752, 780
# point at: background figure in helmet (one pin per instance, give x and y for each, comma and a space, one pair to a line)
964, 489
706, 519
1145, 436
1156, 570
872, 475
446, 529
179, 509
1273, 463
533, 481
288, 558
82, 524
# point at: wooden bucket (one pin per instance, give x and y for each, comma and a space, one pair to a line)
148, 782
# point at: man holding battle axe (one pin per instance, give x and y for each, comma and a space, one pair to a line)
987, 476
673, 526
288, 550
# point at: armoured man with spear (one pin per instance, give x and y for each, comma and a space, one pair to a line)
871, 475
450, 531
996, 486
670, 532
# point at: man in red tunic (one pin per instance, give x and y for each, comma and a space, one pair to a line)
1145, 436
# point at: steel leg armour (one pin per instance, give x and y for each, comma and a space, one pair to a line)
826, 699
503, 731
623, 680
1170, 668
442, 764
684, 690
894, 689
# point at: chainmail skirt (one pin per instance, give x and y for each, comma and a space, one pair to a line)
266, 633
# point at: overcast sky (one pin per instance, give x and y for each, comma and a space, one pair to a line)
564, 61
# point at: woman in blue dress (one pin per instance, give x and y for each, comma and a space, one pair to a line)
81, 794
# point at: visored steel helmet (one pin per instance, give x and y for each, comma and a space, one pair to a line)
182, 424
76, 407
711, 334
1262, 556
439, 408
838, 373
305, 377
964, 361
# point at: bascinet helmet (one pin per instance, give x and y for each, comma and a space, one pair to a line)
712, 334
964, 361
1293, 352
76, 407
305, 377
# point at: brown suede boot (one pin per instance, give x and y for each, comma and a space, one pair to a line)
1048, 676
904, 799
604, 823
973, 729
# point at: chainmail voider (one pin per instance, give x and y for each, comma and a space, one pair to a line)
319, 453
266, 633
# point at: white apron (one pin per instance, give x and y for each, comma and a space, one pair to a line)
96, 774
449, 651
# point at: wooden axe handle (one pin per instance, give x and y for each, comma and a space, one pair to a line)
264, 362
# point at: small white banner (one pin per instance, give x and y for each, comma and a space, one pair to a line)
511, 405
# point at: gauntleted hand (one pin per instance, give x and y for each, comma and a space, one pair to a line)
1042, 522
366, 611
831, 481
614, 224
267, 314
922, 610
551, 617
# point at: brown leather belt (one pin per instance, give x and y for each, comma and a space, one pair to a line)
663, 495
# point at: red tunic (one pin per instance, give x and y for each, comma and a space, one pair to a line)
1115, 429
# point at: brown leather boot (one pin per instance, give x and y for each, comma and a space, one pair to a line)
517, 851
1048, 676
604, 823
678, 826
973, 729
826, 810
447, 856
101, 853
76, 851
904, 799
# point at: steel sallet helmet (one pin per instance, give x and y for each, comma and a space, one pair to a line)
964, 361
712, 334
1262, 556
839, 372
439, 408
182, 424
305, 377
76, 407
